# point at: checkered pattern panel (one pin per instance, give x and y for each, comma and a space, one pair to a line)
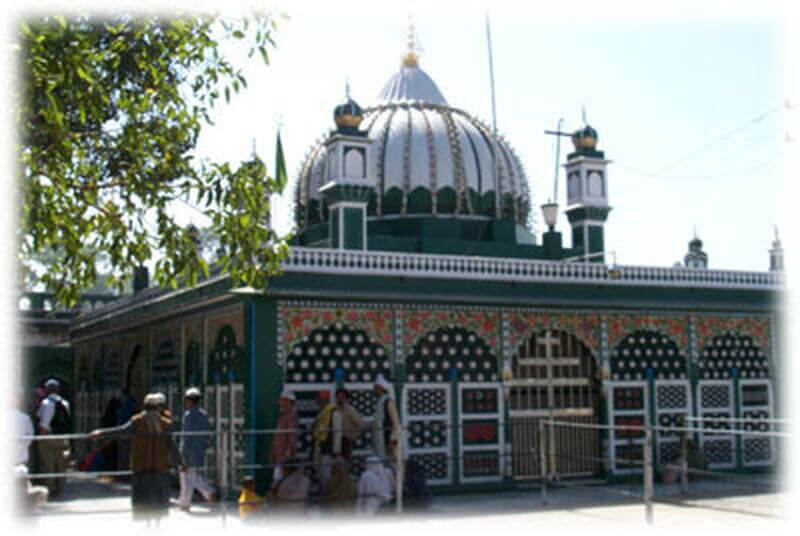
756, 426
715, 396
719, 451
427, 434
756, 449
363, 400
426, 402
729, 351
647, 349
317, 356
717, 420
671, 397
670, 420
434, 465
438, 352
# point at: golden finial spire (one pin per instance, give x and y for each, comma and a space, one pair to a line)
412, 54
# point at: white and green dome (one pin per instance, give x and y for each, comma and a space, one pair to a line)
430, 159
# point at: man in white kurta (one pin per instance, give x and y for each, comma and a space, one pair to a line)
374, 487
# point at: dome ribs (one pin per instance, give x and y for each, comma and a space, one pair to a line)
458, 163
406, 163
511, 182
382, 162
431, 156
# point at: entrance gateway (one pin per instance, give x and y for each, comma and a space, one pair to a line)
554, 376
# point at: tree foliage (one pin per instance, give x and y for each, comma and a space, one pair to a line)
109, 113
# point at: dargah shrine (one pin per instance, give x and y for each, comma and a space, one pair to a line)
415, 257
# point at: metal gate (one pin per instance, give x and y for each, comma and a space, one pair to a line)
554, 376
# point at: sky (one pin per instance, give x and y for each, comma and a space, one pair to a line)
690, 106
688, 99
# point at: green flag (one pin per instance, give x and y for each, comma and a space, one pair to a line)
280, 164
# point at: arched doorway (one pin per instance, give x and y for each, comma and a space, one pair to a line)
554, 375
436, 414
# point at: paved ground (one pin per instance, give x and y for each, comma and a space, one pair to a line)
747, 500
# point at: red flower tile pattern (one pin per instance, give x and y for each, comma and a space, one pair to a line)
300, 321
584, 326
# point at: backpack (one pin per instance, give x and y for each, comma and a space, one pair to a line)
60, 423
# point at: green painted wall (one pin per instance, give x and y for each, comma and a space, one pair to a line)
353, 228
264, 382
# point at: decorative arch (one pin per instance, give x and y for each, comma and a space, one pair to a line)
193, 365
674, 327
225, 360
709, 327
419, 322
299, 322
586, 327
643, 349
136, 375
732, 350
571, 364
451, 347
165, 364
316, 357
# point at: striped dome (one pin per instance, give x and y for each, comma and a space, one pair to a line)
430, 158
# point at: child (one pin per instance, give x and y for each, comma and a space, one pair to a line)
249, 501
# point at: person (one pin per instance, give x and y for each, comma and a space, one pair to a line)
193, 450
341, 489
152, 453
250, 501
53, 417
335, 431
323, 401
30, 496
284, 443
374, 488
385, 423
291, 492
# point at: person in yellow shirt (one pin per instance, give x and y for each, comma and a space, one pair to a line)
250, 502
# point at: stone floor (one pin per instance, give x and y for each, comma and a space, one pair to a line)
90, 506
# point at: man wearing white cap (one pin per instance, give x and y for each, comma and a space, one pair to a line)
385, 423
53, 418
374, 487
284, 442
193, 450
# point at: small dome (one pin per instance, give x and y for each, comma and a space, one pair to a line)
348, 114
585, 139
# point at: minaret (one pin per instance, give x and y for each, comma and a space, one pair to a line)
349, 181
696, 257
587, 194
776, 254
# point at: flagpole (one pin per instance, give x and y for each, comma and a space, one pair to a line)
495, 159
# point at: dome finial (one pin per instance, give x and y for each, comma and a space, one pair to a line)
412, 54
347, 88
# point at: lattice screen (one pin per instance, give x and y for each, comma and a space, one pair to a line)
627, 406
481, 432
426, 414
755, 397
715, 401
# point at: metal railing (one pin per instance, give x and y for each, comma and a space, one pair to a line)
318, 260
546, 451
